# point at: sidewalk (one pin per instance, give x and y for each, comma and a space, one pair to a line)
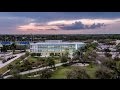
34, 70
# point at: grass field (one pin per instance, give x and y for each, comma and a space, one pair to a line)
91, 71
32, 59
60, 73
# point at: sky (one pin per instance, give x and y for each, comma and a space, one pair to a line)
59, 22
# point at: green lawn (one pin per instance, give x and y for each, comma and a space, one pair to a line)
91, 71
60, 73
32, 59
57, 61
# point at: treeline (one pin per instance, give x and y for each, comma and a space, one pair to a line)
71, 37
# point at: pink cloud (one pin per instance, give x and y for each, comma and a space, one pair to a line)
53, 27
36, 26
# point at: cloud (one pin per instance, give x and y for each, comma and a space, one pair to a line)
79, 25
62, 25
84, 21
37, 26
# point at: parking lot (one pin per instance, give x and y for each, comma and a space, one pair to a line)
6, 63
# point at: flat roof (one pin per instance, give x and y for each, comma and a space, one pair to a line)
58, 43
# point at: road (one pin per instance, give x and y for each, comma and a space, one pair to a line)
34, 70
6, 63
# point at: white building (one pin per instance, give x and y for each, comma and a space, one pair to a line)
54, 47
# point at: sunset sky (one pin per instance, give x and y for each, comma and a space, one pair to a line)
59, 22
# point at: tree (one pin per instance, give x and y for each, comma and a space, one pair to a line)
22, 57
90, 56
4, 49
116, 58
33, 54
77, 73
27, 54
104, 73
109, 63
27, 65
10, 67
42, 61
117, 71
66, 53
1, 77
63, 59
45, 74
50, 62
107, 54
15, 74
13, 47
25, 47
87, 53
107, 50
78, 55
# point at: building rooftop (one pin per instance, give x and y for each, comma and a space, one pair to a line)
53, 40
58, 43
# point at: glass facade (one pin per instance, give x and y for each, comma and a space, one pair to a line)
54, 47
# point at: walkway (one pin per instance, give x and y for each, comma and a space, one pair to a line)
34, 70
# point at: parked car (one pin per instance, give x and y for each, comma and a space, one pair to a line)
3, 61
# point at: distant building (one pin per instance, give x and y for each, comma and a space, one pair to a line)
22, 43
54, 47
6, 42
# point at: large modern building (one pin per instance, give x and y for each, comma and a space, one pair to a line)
54, 47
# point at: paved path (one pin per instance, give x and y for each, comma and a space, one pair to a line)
34, 70
6, 63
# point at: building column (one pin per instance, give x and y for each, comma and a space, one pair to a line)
76, 46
